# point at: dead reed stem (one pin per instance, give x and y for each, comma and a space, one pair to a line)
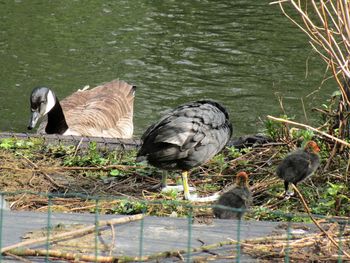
327, 24
62, 255
73, 233
307, 209
18, 258
45, 174
310, 128
261, 247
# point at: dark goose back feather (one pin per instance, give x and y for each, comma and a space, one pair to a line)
187, 136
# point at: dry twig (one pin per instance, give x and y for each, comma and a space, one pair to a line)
327, 25
73, 233
307, 209
45, 174
310, 128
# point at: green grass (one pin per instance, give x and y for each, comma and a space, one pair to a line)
117, 174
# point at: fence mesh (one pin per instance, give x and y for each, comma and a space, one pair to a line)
81, 214
97, 237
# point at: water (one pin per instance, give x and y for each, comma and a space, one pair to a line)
241, 53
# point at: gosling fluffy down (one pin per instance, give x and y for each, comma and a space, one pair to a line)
237, 199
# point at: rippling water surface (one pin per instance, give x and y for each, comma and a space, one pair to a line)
240, 53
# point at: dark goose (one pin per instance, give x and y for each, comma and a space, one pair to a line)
186, 137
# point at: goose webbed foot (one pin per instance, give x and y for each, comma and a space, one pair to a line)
288, 194
177, 188
195, 198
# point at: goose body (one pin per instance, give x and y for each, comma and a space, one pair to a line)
238, 197
299, 165
104, 111
186, 137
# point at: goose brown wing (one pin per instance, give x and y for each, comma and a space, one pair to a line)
106, 110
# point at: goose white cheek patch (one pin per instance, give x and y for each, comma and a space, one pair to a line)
51, 101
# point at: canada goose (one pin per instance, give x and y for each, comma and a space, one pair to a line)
299, 165
237, 197
104, 111
186, 137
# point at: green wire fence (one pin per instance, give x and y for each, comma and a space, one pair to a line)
56, 223
98, 237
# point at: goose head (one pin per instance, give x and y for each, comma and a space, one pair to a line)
42, 101
312, 147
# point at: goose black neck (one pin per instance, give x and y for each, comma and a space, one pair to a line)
56, 122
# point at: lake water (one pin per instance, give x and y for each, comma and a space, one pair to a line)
240, 53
